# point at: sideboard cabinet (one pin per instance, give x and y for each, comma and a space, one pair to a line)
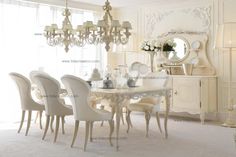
194, 94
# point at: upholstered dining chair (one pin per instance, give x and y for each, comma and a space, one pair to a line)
79, 92
54, 106
27, 103
37, 92
149, 105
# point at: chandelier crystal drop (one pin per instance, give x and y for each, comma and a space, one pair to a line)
106, 31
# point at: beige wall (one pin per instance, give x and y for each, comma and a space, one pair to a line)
220, 11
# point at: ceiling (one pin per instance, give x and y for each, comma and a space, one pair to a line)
124, 3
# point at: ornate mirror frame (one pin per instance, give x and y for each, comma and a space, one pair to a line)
203, 65
179, 37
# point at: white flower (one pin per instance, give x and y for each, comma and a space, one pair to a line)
146, 48
151, 48
157, 44
151, 45
143, 44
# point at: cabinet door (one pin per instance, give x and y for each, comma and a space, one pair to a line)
186, 95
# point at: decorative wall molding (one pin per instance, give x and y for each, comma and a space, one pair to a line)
200, 18
203, 13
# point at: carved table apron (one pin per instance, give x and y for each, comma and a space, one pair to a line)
118, 96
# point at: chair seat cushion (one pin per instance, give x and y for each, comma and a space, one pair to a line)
141, 107
150, 100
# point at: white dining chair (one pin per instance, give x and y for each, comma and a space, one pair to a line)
37, 92
149, 105
79, 92
27, 103
54, 105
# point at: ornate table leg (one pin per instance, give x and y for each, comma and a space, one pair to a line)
117, 110
118, 102
167, 98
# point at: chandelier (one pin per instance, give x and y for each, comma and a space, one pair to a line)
106, 31
66, 35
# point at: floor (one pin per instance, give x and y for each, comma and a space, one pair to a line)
187, 138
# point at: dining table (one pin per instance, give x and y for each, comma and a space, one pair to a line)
119, 96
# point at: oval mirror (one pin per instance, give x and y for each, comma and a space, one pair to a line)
175, 49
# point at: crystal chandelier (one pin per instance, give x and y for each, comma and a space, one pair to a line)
66, 36
106, 31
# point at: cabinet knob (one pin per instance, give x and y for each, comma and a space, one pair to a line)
175, 92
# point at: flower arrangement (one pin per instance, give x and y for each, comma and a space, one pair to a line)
153, 46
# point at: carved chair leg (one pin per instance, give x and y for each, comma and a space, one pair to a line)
62, 124
127, 112
112, 111
130, 123
122, 117
86, 134
40, 119
57, 128
111, 123
51, 125
158, 121
28, 123
102, 108
37, 115
75, 133
91, 131
128, 120
22, 121
46, 127
102, 123
147, 117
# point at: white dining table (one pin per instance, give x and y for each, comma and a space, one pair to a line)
117, 97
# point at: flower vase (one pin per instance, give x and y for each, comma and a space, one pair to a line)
152, 60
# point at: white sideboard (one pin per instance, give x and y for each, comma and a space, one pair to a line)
194, 94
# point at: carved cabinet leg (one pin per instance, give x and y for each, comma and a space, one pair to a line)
202, 117
167, 99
